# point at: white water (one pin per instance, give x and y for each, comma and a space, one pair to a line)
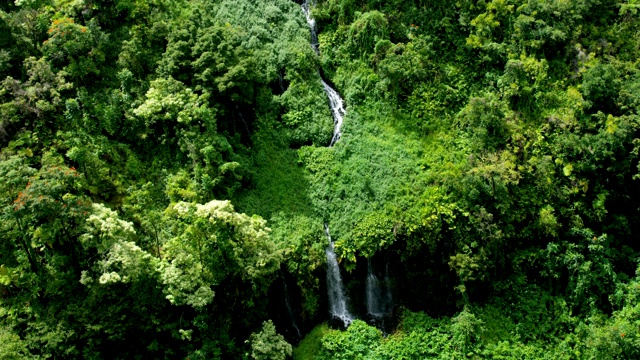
306, 9
335, 101
379, 299
338, 305
337, 110
337, 300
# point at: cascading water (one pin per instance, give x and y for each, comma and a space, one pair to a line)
337, 299
306, 9
338, 306
335, 101
379, 298
337, 110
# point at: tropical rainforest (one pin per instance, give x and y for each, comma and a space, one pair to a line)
166, 179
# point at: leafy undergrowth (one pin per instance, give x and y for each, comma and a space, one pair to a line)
522, 323
311, 345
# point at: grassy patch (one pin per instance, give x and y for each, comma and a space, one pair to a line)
310, 346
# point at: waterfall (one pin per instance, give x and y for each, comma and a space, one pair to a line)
379, 298
337, 299
335, 101
337, 110
292, 316
338, 307
306, 9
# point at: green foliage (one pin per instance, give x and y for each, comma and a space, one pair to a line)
12, 346
306, 121
304, 253
466, 330
354, 343
588, 261
311, 345
268, 345
74, 48
209, 234
617, 336
370, 28
489, 154
483, 120
601, 85
40, 94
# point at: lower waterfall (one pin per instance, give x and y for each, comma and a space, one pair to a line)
338, 307
379, 298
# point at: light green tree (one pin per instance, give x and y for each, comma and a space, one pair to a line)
267, 344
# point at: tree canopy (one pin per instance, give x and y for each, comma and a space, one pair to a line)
166, 178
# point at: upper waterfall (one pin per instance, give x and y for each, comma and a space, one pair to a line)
337, 110
335, 101
306, 9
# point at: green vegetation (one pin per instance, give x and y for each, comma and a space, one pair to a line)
165, 178
311, 344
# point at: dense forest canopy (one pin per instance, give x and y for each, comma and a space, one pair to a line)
166, 179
